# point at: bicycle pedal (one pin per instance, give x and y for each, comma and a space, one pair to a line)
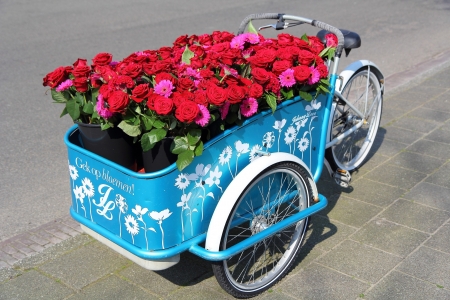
342, 177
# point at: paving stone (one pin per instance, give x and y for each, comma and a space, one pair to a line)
390, 237
93, 261
8, 273
430, 114
428, 264
441, 177
446, 126
349, 211
439, 80
387, 147
390, 115
113, 287
430, 194
439, 135
396, 176
359, 260
403, 135
400, 286
415, 215
372, 161
375, 193
442, 102
165, 281
430, 148
405, 101
325, 234
417, 162
319, 282
415, 124
33, 285
440, 240
197, 293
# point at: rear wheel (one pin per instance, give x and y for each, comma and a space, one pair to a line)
363, 91
280, 191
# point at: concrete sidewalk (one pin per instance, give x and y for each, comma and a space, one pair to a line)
385, 237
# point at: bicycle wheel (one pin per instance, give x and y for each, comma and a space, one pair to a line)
275, 194
364, 92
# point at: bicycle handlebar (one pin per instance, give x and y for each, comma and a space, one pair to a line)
282, 17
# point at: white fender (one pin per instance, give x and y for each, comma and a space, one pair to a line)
236, 188
352, 68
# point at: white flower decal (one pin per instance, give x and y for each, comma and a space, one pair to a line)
182, 181
254, 152
241, 148
289, 135
88, 187
301, 123
268, 140
314, 105
78, 192
121, 203
225, 156
73, 172
279, 124
303, 144
214, 177
132, 226
139, 211
160, 216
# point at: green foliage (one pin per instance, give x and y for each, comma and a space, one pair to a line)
187, 55
149, 139
251, 28
271, 100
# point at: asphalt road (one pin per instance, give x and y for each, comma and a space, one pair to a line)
38, 36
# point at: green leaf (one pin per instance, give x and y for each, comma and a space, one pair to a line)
173, 123
194, 136
79, 98
131, 130
305, 96
158, 124
325, 81
187, 55
271, 101
324, 51
88, 108
331, 53
305, 38
180, 145
251, 28
73, 108
64, 112
146, 78
147, 122
105, 126
58, 97
149, 139
288, 94
184, 159
199, 149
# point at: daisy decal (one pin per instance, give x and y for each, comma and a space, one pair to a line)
73, 172
182, 181
225, 156
301, 123
254, 152
303, 144
121, 202
88, 187
78, 192
132, 226
268, 140
289, 135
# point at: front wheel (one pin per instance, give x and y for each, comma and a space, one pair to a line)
363, 91
278, 192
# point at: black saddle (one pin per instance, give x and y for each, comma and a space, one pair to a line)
351, 39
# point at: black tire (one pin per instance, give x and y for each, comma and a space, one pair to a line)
257, 268
350, 153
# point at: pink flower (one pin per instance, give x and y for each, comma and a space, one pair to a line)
224, 110
229, 71
237, 42
65, 85
249, 107
203, 116
164, 88
287, 78
315, 76
252, 38
101, 109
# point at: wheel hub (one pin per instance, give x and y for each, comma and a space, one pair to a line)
259, 223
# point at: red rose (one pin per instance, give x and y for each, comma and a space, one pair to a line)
263, 58
260, 75
187, 111
301, 43
165, 52
236, 93
256, 91
106, 72
177, 98
151, 99
161, 65
323, 70
102, 59
118, 102
80, 84
216, 95
133, 70
80, 62
181, 41
164, 76
95, 80
140, 92
301, 73
200, 98
315, 44
285, 39
81, 71
226, 36
185, 84
332, 40
196, 63
305, 57
205, 40
229, 56
198, 50
273, 84
123, 82
319, 60
105, 91
163, 105
280, 66
53, 79
149, 68
221, 47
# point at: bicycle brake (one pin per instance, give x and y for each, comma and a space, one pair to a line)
342, 177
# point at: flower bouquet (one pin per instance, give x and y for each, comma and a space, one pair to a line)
194, 89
